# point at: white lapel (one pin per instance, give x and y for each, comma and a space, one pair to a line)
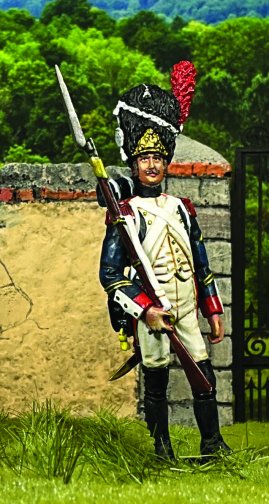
165, 216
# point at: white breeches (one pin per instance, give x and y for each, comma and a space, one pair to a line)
155, 347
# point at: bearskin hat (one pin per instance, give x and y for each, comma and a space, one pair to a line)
150, 118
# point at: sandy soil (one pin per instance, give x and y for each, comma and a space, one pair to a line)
55, 336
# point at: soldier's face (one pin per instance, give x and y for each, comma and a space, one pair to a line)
151, 168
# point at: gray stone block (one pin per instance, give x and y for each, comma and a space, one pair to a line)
219, 256
221, 355
178, 388
184, 187
214, 192
214, 222
224, 386
19, 175
182, 414
225, 289
118, 171
188, 149
225, 415
63, 175
202, 192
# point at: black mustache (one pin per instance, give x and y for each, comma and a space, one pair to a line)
153, 170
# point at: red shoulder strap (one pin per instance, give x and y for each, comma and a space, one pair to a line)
125, 209
189, 206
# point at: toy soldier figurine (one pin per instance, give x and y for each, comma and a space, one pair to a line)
169, 238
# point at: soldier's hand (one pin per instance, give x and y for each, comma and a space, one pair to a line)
217, 329
158, 319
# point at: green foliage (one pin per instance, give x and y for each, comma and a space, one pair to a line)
150, 34
256, 238
215, 98
97, 70
20, 154
101, 60
256, 102
80, 13
238, 46
17, 20
229, 58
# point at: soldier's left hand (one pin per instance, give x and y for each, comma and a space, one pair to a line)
217, 329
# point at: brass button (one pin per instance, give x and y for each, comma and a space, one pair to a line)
173, 242
145, 213
178, 212
176, 250
178, 260
149, 222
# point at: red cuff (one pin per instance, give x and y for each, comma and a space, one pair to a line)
143, 300
210, 306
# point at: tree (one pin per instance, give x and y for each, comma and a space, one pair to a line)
228, 57
238, 46
215, 96
256, 103
99, 125
78, 11
17, 20
21, 154
14, 23
150, 34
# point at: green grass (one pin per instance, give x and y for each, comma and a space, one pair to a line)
48, 456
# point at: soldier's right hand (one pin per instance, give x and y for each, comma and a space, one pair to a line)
158, 319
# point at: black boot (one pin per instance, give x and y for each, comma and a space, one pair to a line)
206, 414
156, 410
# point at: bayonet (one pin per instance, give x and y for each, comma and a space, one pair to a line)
127, 366
74, 123
76, 130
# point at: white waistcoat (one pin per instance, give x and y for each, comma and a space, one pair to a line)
166, 243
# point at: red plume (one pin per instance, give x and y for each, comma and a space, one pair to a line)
183, 84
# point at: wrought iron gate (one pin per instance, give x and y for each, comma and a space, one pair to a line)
250, 276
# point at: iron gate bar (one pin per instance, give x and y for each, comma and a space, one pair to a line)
259, 258
241, 362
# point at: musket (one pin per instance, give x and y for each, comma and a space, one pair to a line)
196, 378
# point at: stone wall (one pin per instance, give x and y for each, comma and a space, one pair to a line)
55, 335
